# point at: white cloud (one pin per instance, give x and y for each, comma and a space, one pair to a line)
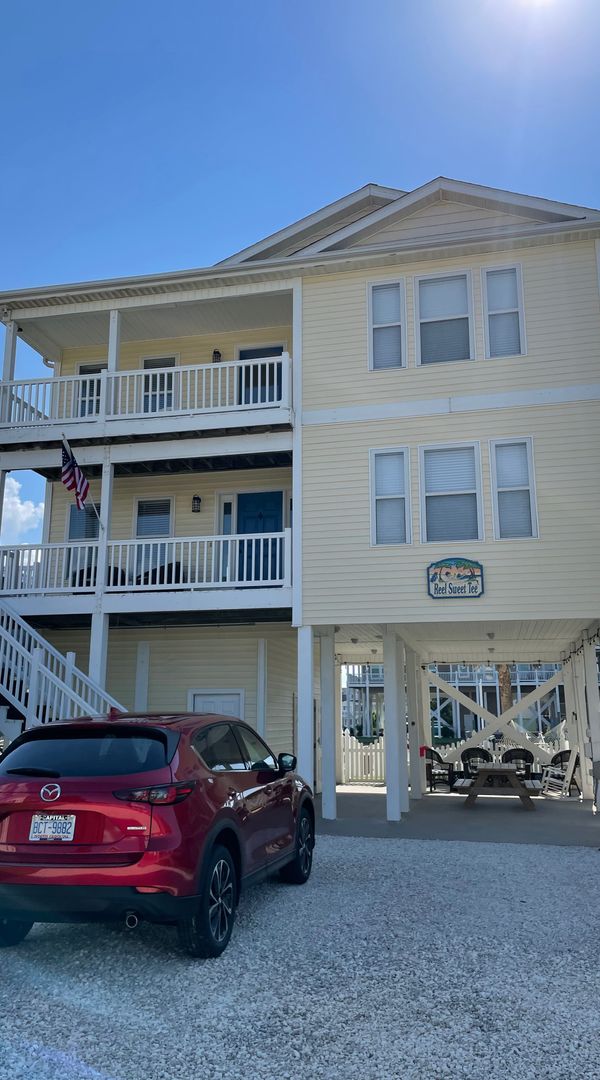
20, 516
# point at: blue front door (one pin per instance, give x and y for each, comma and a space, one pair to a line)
260, 512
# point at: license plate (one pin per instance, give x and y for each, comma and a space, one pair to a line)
52, 827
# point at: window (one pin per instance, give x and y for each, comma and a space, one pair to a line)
114, 751
503, 312
219, 749
158, 386
514, 503
390, 523
90, 389
452, 504
83, 524
258, 755
386, 326
444, 319
153, 518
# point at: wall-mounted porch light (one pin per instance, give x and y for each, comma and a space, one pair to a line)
196, 504
216, 357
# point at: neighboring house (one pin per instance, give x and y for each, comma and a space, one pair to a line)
282, 444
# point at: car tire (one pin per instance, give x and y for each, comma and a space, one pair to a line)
12, 933
298, 870
207, 932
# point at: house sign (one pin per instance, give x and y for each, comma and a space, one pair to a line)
455, 579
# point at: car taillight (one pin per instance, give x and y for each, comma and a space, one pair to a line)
163, 795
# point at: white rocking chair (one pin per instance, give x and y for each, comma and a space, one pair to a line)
557, 782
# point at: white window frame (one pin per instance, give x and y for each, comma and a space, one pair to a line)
476, 446
401, 283
153, 498
227, 690
373, 496
535, 532
521, 309
261, 345
442, 318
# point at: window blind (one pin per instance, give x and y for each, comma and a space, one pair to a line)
515, 518
444, 315
386, 314
390, 498
153, 518
503, 312
83, 524
451, 510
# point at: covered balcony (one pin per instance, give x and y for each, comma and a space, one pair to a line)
205, 365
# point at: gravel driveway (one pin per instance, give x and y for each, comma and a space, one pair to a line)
400, 960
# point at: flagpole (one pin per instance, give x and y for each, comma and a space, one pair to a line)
70, 453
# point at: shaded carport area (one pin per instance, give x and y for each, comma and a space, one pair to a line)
407, 651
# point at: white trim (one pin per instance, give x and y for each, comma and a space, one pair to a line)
142, 675
261, 345
261, 687
373, 284
373, 497
202, 690
155, 497
47, 521
485, 270
443, 406
528, 441
476, 446
468, 275
297, 319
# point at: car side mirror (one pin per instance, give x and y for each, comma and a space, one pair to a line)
286, 762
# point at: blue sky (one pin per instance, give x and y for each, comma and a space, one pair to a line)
141, 136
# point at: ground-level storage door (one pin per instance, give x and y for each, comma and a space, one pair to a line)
222, 702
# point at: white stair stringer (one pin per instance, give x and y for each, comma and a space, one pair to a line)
39, 681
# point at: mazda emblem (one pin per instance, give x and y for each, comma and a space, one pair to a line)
50, 792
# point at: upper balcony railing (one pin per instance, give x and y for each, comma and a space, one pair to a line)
230, 387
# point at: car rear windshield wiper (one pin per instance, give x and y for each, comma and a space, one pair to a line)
33, 771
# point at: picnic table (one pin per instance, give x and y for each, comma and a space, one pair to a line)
498, 779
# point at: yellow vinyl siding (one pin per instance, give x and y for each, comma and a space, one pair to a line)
441, 219
562, 322
180, 487
200, 658
348, 580
188, 350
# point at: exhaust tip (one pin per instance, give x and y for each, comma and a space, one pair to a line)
131, 920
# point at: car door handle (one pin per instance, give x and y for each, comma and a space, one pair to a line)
268, 790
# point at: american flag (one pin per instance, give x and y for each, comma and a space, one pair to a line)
72, 476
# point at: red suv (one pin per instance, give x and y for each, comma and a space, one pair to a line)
146, 817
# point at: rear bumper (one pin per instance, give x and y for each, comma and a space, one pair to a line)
90, 903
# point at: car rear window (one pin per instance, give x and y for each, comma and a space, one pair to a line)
93, 752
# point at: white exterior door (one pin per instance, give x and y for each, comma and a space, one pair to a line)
223, 702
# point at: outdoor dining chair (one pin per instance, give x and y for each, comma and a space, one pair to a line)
522, 758
438, 772
473, 757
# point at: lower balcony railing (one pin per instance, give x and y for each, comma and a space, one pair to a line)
200, 562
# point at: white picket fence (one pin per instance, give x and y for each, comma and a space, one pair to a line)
363, 762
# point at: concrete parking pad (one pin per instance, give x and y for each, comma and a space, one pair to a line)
400, 960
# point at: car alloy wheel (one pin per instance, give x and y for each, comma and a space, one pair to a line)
221, 901
305, 845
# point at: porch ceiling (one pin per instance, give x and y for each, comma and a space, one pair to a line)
173, 320
166, 466
491, 642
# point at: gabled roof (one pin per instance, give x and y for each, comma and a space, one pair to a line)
319, 225
369, 210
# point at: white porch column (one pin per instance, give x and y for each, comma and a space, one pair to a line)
305, 719
3, 475
98, 648
577, 665
396, 765
114, 340
328, 722
414, 722
10, 351
339, 764
99, 627
426, 734
592, 693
